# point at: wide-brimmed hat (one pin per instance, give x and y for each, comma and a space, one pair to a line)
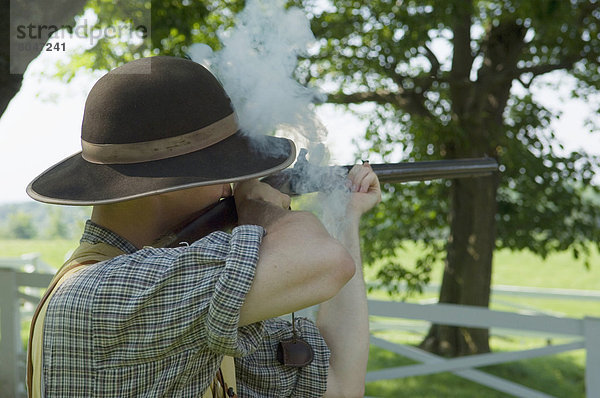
156, 125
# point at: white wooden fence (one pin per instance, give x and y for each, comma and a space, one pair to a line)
586, 333
18, 287
18, 283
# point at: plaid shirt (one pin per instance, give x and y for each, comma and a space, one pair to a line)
157, 322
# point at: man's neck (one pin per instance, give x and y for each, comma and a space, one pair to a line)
144, 220
140, 221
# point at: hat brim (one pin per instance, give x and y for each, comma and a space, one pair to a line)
74, 181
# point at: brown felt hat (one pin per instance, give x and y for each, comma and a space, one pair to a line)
156, 125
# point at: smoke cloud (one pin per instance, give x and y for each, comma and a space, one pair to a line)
256, 67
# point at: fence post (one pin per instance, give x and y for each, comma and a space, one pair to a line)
591, 333
10, 334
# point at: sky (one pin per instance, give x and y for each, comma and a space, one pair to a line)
42, 125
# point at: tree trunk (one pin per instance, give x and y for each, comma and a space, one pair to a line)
468, 268
9, 84
25, 13
478, 107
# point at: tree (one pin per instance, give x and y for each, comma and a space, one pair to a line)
57, 228
20, 226
19, 12
174, 26
436, 105
475, 100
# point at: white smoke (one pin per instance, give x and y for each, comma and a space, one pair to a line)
256, 67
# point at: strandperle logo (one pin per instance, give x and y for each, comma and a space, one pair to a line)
126, 32
36, 37
48, 33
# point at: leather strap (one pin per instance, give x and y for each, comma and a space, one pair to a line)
91, 254
85, 254
228, 392
53, 284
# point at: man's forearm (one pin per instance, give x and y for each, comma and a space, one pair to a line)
344, 323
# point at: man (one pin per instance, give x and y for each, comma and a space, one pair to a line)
159, 143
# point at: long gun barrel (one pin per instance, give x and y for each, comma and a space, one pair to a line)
294, 181
222, 215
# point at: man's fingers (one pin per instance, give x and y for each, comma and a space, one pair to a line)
355, 176
361, 177
256, 190
370, 180
286, 201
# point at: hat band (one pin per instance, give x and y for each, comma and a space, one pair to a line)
139, 152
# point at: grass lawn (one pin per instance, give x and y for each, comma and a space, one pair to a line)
523, 268
53, 252
559, 375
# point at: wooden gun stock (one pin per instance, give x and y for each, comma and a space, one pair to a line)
220, 216
223, 215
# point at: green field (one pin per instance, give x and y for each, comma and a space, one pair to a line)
560, 375
53, 252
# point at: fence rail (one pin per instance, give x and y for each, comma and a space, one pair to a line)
18, 287
586, 331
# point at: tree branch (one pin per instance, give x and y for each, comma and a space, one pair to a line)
380, 97
49, 12
537, 70
405, 101
435, 63
462, 58
568, 60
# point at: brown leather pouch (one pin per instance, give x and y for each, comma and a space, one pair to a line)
294, 352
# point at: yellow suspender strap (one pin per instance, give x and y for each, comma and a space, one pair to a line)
38, 319
89, 254
224, 383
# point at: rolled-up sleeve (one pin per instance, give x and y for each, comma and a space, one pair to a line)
157, 322
261, 375
163, 302
234, 282
162, 319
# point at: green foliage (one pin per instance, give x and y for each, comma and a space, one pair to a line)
173, 26
447, 79
547, 202
42, 221
20, 226
452, 79
57, 228
387, 228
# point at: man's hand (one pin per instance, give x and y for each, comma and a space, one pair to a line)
256, 190
366, 192
258, 203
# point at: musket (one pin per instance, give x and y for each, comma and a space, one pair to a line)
292, 181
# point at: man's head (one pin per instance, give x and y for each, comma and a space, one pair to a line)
153, 126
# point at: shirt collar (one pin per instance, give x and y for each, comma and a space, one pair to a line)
94, 233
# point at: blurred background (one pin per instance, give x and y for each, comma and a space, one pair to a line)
517, 80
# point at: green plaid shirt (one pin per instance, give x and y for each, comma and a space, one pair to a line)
157, 322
